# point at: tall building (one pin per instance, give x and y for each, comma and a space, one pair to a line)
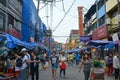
29, 18
101, 31
90, 20
11, 17
101, 20
112, 18
74, 38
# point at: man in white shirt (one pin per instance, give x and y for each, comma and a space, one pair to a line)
116, 65
24, 73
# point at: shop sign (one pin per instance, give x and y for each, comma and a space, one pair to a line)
84, 38
14, 33
99, 33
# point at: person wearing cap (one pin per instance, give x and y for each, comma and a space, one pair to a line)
34, 66
25, 70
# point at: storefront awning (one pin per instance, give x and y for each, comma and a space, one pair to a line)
98, 42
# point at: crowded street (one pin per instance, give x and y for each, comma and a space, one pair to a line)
72, 74
59, 39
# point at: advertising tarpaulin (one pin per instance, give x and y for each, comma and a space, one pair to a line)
99, 33
84, 38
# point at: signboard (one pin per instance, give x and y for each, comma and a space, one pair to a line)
14, 33
99, 33
84, 38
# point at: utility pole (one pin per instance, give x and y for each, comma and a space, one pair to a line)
36, 24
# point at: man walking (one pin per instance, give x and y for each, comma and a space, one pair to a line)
116, 65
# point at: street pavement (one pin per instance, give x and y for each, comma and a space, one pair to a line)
72, 73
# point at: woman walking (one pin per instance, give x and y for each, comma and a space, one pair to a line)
110, 64
86, 66
54, 64
63, 60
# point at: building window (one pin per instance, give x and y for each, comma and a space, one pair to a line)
1, 22
100, 4
101, 20
106, 0
113, 13
10, 22
94, 26
3, 2
17, 25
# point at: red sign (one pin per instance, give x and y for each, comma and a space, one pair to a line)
100, 33
14, 33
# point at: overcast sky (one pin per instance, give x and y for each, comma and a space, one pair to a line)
70, 22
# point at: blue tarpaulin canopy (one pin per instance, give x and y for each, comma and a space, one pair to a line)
34, 44
112, 44
12, 41
1, 38
75, 51
98, 42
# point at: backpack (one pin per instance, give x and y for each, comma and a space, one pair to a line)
63, 65
19, 62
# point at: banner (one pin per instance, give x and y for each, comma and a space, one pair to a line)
84, 38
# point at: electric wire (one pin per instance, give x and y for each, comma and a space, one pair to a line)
64, 16
65, 12
58, 0
43, 6
63, 5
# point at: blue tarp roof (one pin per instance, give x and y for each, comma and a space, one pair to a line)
75, 51
98, 42
13, 42
112, 44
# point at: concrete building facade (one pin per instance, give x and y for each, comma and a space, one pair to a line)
102, 20
10, 17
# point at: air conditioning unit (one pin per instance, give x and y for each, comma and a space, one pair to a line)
108, 21
10, 25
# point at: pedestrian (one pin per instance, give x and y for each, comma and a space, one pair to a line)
63, 65
54, 63
34, 65
71, 58
110, 64
86, 63
77, 58
24, 72
68, 58
116, 65
16, 68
